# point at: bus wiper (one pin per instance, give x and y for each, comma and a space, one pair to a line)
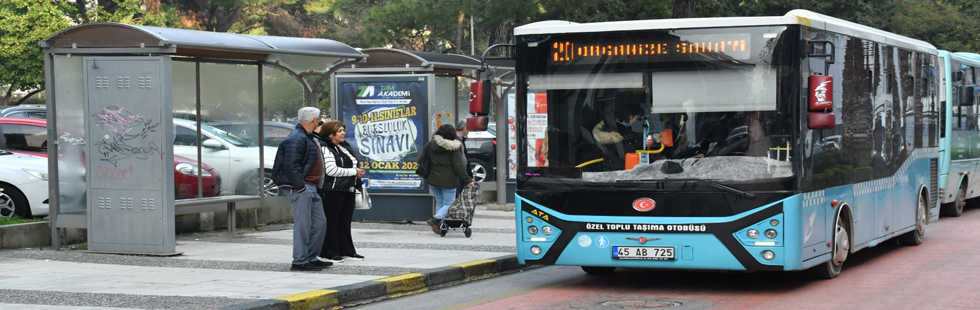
709, 182
569, 189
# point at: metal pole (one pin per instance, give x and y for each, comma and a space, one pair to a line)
500, 115
54, 175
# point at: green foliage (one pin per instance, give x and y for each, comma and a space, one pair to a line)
434, 25
214, 15
587, 11
18, 220
422, 25
948, 25
22, 24
343, 19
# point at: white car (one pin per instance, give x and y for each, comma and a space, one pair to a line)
235, 158
23, 185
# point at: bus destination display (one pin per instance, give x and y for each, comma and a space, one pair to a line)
736, 46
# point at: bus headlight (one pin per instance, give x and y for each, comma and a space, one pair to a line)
766, 255
771, 233
546, 230
536, 250
752, 233
532, 230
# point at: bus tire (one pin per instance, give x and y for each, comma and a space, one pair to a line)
841, 249
955, 209
598, 270
915, 236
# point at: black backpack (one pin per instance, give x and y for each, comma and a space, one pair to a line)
424, 162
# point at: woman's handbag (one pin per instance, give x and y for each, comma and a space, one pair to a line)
362, 201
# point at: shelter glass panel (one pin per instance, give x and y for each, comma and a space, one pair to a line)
70, 115
230, 96
282, 97
187, 183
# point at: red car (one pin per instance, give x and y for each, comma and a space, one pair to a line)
30, 136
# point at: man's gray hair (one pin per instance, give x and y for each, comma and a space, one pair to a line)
460, 125
307, 114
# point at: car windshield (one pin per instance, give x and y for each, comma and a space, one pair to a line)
274, 133
227, 136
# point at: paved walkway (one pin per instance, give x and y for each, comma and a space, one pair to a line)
250, 269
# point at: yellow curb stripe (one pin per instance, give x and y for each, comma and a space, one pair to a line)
479, 269
318, 299
406, 283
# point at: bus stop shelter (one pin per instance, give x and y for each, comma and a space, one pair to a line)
149, 119
392, 104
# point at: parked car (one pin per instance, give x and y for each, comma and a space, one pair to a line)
481, 150
24, 135
30, 136
275, 132
185, 179
23, 185
24, 111
235, 157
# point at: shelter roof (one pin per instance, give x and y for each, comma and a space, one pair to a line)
397, 60
117, 38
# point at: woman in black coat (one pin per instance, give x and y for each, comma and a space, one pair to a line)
341, 177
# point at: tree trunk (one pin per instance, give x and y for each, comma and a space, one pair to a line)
21, 101
459, 34
109, 6
684, 8
6, 97
80, 5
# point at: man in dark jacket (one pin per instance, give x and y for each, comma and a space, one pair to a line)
298, 170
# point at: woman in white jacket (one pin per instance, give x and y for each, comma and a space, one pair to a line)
341, 177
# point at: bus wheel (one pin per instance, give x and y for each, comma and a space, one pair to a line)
955, 209
842, 247
598, 270
914, 237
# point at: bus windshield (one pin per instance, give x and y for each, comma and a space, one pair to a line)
631, 107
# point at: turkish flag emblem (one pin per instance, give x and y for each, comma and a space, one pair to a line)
644, 204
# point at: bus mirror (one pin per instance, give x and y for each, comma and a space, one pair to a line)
477, 123
821, 92
667, 137
821, 121
966, 95
480, 97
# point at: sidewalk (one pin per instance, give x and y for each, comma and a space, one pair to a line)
250, 269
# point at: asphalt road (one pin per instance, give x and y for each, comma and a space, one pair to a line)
941, 273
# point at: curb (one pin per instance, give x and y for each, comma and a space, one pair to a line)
503, 207
386, 288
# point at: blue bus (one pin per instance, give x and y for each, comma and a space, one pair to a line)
748, 144
959, 160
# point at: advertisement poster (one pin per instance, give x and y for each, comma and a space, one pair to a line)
537, 125
511, 135
385, 118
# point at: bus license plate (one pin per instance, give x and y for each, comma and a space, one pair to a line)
643, 253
